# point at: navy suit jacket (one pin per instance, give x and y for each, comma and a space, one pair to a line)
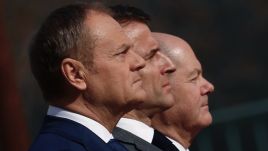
60, 134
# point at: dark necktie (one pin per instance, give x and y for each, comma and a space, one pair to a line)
162, 142
116, 145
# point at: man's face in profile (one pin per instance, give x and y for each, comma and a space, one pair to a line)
115, 79
190, 90
154, 75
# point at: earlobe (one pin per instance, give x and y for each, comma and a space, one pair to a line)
74, 73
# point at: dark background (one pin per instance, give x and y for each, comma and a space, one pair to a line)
229, 37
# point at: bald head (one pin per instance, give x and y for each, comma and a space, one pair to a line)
190, 91
169, 42
174, 47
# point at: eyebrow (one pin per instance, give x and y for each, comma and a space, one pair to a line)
194, 72
152, 52
124, 47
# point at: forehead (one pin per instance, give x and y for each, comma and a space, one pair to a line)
184, 58
136, 29
140, 34
100, 24
105, 30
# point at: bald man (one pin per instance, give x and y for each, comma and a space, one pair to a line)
190, 114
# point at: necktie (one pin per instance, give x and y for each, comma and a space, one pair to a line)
116, 145
162, 142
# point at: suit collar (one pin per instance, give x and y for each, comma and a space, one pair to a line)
137, 128
91, 124
129, 138
74, 132
178, 145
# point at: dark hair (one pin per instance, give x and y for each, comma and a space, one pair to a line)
124, 14
62, 35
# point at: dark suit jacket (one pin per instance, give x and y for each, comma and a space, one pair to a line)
60, 134
133, 142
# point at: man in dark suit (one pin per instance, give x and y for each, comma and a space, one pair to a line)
190, 114
134, 130
88, 73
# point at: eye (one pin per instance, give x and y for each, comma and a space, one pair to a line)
151, 54
194, 78
195, 75
149, 57
123, 51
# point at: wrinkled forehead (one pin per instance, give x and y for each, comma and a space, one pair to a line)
100, 23
136, 29
141, 36
183, 57
104, 29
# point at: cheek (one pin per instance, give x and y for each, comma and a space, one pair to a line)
187, 98
150, 70
183, 92
115, 80
193, 103
150, 76
191, 93
187, 106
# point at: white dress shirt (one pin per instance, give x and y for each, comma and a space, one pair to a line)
137, 128
178, 145
92, 125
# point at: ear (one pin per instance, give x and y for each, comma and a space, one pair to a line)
73, 71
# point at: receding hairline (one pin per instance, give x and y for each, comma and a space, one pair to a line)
168, 42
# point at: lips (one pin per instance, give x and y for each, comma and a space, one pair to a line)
166, 84
137, 80
205, 107
166, 87
205, 104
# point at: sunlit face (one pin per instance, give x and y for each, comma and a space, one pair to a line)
190, 90
154, 75
115, 81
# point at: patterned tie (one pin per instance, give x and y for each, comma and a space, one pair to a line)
162, 142
116, 145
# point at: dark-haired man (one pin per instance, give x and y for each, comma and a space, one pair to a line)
190, 114
88, 73
134, 129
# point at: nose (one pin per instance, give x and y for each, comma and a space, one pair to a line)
207, 87
137, 62
167, 66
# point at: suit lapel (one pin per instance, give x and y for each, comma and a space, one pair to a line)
74, 132
162, 142
130, 139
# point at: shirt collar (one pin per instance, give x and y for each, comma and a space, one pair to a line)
178, 145
94, 126
137, 128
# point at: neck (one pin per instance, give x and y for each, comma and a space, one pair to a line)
174, 131
101, 114
139, 116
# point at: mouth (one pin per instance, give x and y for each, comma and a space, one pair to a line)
166, 85
137, 80
205, 106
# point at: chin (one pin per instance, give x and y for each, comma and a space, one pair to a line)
140, 97
207, 120
169, 102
